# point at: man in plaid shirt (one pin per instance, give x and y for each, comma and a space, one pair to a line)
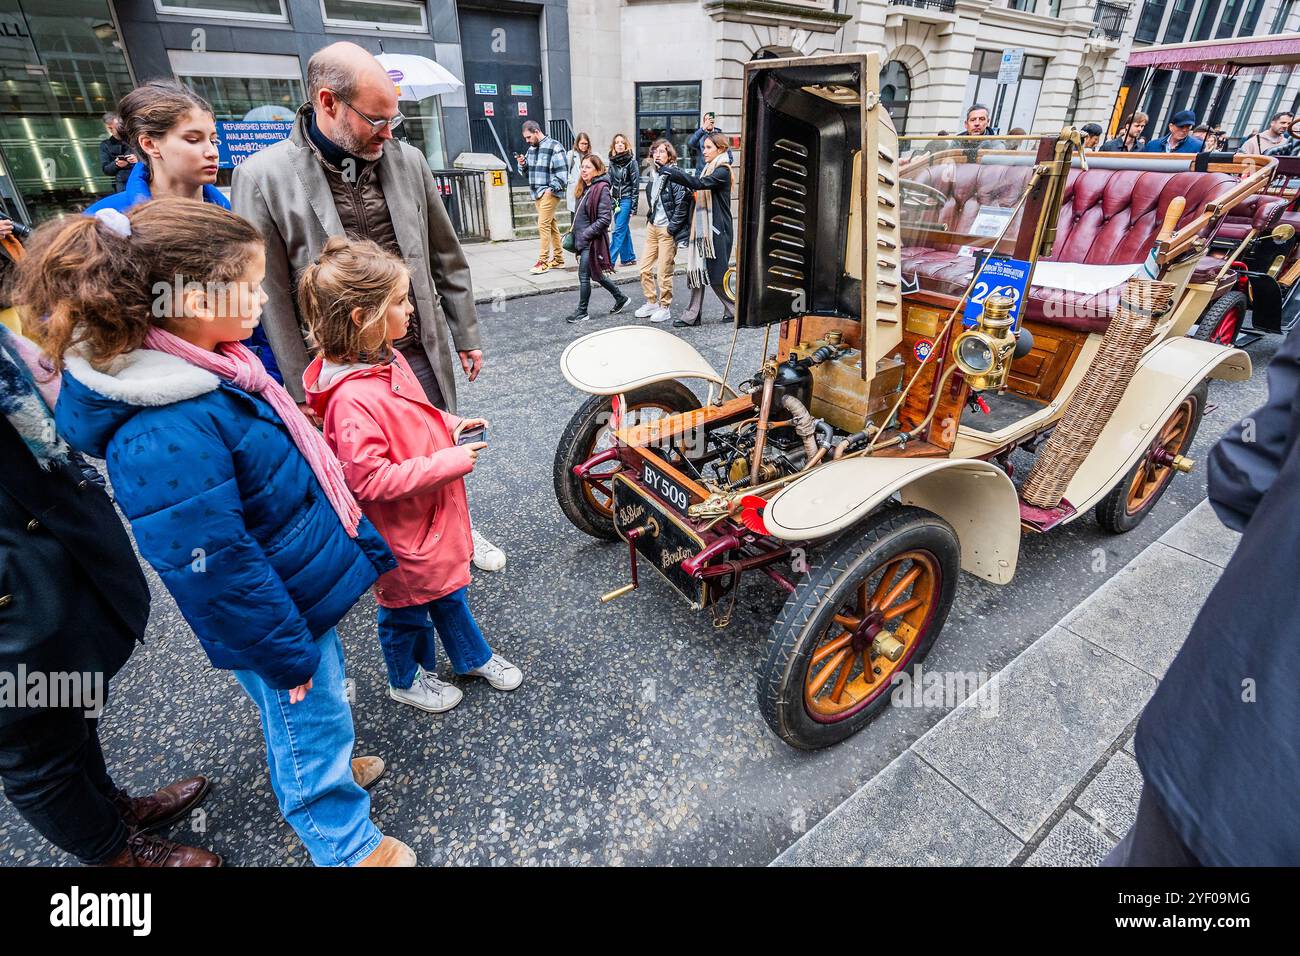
547, 165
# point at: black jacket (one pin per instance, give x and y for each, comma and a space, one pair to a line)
625, 179
72, 596
585, 226
109, 150
1220, 741
677, 201
719, 183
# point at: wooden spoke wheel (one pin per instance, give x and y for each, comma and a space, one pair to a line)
1223, 319
1129, 502
868, 611
588, 503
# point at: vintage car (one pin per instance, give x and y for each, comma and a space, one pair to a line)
926, 309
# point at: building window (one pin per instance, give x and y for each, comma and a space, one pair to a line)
668, 110
1280, 18
1153, 11
381, 14
63, 68
1176, 29
896, 93
1247, 105
1026, 5
1076, 96
254, 87
1251, 18
1156, 97
422, 128
226, 9
1205, 22
1229, 19
1012, 105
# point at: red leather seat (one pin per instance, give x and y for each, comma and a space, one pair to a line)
1260, 212
1107, 217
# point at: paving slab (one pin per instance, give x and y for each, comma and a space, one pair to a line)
908, 815
1072, 842
1111, 799
1119, 615
1061, 704
1201, 534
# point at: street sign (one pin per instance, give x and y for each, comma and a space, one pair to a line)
521, 89
1009, 70
485, 89
998, 276
498, 178
237, 140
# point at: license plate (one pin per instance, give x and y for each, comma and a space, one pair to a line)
666, 488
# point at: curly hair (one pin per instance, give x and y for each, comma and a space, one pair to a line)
82, 284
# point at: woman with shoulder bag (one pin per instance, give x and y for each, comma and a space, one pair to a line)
591, 221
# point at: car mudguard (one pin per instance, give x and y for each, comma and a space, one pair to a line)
1265, 302
976, 498
1164, 377
612, 361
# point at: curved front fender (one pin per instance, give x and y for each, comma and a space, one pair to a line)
976, 498
620, 359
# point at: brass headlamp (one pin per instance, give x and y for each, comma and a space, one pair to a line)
984, 352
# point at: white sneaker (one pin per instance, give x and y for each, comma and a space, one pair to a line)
646, 310
661, 315
499, 672
428, 693
487, 556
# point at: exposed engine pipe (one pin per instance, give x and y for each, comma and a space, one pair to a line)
804, 426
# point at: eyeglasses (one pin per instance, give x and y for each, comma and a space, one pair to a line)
375, 124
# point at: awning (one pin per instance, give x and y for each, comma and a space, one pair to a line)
1229, 57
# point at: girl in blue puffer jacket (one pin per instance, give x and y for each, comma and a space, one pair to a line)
234, 498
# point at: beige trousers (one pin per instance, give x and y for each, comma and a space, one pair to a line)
552, 251
658, 260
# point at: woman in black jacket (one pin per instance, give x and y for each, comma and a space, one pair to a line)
591, 220
709, 249
625, 187
73, 604
668, 226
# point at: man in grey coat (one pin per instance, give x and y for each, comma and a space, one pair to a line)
341, 173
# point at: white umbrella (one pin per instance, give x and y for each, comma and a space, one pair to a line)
418, 77
270, 114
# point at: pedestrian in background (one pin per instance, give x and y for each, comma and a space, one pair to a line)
1278, 132
1179, 139
1091, 135
591, 222
234, 497
581, 150
709, 247
546, 166
625, 186
708, 126
403, 460
115, 156
668, 226
1219, 742
1130, 138
74, 602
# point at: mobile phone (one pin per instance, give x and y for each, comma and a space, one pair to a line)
470, 435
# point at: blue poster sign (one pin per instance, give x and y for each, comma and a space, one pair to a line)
237, 140
998, 276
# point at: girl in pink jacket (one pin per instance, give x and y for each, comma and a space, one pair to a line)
402, 460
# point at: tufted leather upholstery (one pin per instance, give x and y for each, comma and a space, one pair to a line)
1107, 217
1261, 212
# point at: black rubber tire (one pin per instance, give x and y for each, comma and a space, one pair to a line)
831, 576
1217, 310
579, 436
1112, 511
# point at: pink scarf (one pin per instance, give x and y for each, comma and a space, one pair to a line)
241, 368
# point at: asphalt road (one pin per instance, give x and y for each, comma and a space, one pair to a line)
635, 737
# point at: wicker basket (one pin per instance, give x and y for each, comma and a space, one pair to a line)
1090, 407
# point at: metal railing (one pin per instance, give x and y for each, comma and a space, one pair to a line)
1109, 19
944, 6
559, 129
466, 201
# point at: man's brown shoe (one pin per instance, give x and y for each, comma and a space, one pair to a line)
390, 852
366, 771
173, 802
143, 849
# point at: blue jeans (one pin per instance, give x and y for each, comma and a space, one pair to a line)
406, 635
620, 238
309, 752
